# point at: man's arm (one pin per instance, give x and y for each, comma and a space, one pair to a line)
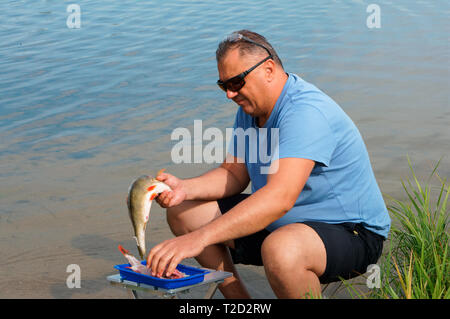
228, 179
264, 206
251, 215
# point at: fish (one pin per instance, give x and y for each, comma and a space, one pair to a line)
138, 267
141, 193
135, 264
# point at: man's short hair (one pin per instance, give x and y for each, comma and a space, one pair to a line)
245, 47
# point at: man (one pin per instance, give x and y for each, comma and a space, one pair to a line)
316, 216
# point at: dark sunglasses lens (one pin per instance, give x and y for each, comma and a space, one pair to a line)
221, 85
235, 84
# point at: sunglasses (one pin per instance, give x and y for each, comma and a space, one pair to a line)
236, 83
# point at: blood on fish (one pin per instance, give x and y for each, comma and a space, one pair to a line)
153, 196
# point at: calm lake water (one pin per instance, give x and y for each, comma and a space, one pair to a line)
84, 111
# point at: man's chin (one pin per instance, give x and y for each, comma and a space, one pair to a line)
245, 107
247, 111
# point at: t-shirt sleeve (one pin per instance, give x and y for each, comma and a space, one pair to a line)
305, 133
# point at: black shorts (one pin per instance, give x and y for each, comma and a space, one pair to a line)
350, 247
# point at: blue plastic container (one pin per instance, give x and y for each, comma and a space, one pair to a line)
194, 276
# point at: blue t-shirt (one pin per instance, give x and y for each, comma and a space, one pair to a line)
306, 123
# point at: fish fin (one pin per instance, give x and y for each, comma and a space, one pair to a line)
123, 250
151, 188
153, 196
160, 171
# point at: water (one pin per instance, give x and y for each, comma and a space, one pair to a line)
83, 111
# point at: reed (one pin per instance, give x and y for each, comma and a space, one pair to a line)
416, 264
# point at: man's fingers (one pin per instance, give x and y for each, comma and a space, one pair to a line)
159, 262
149, 259
159, 259
162, 265
162, 260
154, 264
173, 265
161, 199
151, 256
162, 177
167, 198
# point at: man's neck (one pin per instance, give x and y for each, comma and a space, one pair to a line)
277, 89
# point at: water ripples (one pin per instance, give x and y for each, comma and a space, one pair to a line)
136, 70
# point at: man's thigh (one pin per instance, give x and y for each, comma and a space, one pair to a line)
347, 248
350, 248
247, 249
191, 215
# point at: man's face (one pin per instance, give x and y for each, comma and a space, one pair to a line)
251, 96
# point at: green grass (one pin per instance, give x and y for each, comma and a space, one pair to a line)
415, 264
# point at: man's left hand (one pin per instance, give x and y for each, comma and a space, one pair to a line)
168, 254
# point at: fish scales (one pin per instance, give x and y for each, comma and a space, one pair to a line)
141, 193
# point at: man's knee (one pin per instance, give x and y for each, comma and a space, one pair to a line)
292, 248
277, 253
175, 220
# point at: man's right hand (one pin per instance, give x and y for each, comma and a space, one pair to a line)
171, 198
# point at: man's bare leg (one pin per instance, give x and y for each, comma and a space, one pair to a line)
294, 258
191, 215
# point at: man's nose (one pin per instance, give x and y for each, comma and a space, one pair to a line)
231, 94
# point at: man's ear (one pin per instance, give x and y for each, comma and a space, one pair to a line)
269, 69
